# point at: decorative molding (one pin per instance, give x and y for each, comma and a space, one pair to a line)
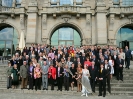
22, 21
88, 22
3, 21
112, 18
111, 41
33, 3
66, 18
88, 40
44, 21
44, 40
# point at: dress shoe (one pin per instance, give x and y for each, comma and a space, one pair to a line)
61, 90
46, 88
128, 68
103, 95
43, 89
99, 95
83, 94
57, 89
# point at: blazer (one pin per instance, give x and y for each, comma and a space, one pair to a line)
60, 72
31, 71
128, 53
51, 62
45, 70
108, 70
24, 71
53, 71
93, 72
102, 75
118, 63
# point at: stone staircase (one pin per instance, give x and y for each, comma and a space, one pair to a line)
117, 87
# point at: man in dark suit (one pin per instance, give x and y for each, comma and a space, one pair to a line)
106, 57
107, 67
82, 59
102, 80
127, 57
93, 74
119, 68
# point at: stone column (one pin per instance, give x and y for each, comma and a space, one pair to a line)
101, 23
32, 22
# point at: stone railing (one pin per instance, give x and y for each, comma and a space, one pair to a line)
5, 9
66, 9
123, 10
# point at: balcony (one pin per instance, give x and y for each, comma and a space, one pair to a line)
121, 10
6, 9
67, 9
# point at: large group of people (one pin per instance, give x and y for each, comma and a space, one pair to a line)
84, 67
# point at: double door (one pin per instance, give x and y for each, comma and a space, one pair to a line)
66, 42
6, 48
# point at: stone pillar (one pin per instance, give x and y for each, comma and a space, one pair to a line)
32, 22
101, 23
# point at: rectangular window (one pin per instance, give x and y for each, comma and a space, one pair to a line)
127, 2
7, 3
53, 2
66, 2
18, 3
79, 2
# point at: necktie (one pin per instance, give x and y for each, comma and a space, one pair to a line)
101, 71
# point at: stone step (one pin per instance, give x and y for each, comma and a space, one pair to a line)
54, 92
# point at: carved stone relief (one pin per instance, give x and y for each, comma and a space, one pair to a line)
66, 18
22, 21
88, 21
88, 40
111, 41
44, 21
111, 22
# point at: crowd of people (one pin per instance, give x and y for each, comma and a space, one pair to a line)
84, 67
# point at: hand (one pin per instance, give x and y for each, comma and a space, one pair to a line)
60, 74
76, 78
49, 73
30, 73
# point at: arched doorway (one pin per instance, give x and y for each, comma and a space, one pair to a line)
66, 36
8, 40
124, 37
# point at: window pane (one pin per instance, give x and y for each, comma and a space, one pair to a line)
65, 34
127, 2
54, 38
66, 2
123, 34
7, 3
18, 1
77, 39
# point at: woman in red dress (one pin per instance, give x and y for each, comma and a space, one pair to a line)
88, 62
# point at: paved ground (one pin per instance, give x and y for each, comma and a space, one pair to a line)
40, 96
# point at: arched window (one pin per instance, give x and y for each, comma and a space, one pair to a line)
66, 36
8, 39
125, 34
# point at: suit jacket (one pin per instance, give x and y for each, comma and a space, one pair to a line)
49, 62
108, 70
93, 72
45, 70
60, 72
31, 71
118, 63
82, 60
102, 74
41, 63
128, 53
53, 72
23, 71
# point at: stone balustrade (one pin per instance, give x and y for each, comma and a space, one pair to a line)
121, 10
67, 9
6, 9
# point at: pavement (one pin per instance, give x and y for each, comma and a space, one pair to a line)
41, 96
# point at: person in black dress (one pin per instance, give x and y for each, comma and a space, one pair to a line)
15, 77
72, 77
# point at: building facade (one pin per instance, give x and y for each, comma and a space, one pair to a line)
66, 22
